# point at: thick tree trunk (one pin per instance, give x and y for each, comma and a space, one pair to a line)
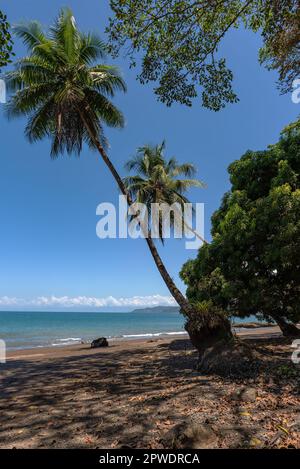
288, 329
207, 330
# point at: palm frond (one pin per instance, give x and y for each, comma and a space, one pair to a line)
91, 48
31, 34
28, 99
106, 79
29, 71
64, 33
182, 185
187, 169
40, 122
104, 109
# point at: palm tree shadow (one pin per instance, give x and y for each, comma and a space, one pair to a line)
109, 398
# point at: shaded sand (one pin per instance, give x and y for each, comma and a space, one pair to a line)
133, 393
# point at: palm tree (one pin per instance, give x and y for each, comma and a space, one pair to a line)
156, 182
66, 98
62, 92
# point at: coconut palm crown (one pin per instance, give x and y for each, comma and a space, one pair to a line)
157, 180
59, 87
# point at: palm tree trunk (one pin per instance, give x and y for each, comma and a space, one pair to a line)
195, 233
175, 292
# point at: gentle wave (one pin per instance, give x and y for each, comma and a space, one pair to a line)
154, 334
74, 340
69, 339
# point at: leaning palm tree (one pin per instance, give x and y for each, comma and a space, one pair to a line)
65, 96
156, 181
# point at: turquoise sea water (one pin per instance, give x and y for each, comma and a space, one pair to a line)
22, 330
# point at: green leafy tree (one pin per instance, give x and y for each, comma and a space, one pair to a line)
66, 98
252, 265
179, 42
6, 44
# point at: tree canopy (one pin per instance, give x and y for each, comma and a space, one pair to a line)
252, 265
6, 44
179, 43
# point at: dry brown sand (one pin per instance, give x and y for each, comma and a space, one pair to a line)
133, 393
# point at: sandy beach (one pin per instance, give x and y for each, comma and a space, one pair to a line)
135, 393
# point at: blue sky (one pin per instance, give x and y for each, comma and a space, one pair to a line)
50, 256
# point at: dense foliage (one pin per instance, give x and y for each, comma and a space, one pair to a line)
179, 42
5, 41
252, 265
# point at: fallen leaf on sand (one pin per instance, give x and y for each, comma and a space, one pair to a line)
255, 442
283, 429
245, 414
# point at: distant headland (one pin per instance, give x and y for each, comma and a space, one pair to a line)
157, 309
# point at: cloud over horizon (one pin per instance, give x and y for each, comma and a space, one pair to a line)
87, 302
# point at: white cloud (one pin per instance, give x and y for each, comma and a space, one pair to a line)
8, 301
87, 301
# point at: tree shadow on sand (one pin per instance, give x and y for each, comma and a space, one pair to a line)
131, 397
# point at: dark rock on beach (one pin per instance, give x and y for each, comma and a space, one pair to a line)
101, 342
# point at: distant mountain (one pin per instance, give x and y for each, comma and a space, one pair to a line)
157, 309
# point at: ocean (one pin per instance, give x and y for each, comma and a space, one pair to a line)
22, 330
